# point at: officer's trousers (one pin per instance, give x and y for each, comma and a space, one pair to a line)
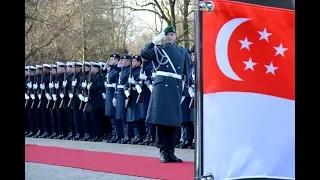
187, 131
107, 126
87, 122
165, 138
140, 127
151, 130
47, 120
77, 120
130, 129
119, 123
70, 120
54, 120
26, 120
97, 115
32, 120
177, 135
63, 121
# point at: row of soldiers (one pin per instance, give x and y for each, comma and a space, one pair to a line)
96, 101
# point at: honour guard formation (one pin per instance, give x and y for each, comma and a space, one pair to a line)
144, 99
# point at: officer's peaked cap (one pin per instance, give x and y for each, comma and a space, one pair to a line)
102, 64
61, 64
32, 68
39, 66
169, 29
47, 66
79, 64
137, 57
94, 64
88, 64
126, 57
115, 56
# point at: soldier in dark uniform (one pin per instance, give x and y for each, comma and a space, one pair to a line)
119, 102
96, 88
37, 92
86, 120
54, 114
26, 97
147, 88
31, 112
62, 119
186, 123
111, 80
44, 98
134, 109
69, 90
191, 91
171, 63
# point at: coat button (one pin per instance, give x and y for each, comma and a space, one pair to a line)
166, 85
177, 86
167, 65
178, 67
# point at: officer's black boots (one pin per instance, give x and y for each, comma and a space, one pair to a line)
172, 157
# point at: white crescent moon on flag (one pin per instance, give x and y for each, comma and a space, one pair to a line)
222, 44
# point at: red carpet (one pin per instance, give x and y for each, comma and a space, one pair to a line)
109, 162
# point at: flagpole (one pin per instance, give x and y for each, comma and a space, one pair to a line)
198, 153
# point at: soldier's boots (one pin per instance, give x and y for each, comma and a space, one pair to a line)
178, 144
53, 135
136, 140
145, 141
30, 134
61, 136
111, 139
152, 142
164, 156
39, 133
185, 144
77, 137
96, 139
70, 135
115, 140
192, 146
26, 132
173, 158
44, 135
126, 140
108, 137
86, 137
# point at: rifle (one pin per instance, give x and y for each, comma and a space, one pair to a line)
41, 90
128, 104
83, 74
64, 88
34, 81
28, 81
88, 91
49, 87
56, 90
140, 96
74, 78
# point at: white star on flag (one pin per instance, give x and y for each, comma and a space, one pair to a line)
264, 34
280, 50
249, 64
271, 68
245, 43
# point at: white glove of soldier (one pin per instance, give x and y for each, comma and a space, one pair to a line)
32, 96
84, 84
138, 87
29, 85
35, 86
126, 101
42, 86
70, 96
150, 87
61, 95
54, 97
105, 67
64, 83
39, 96
105, 84
48, 97
26, 96
143, 76
114, 102
131, 81
126, 92
50, 85
56, 85
158, 38
73, 83
81, 97
85, 99
191, 92
89, 86
104, 95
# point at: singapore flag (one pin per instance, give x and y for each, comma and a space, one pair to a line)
248, 92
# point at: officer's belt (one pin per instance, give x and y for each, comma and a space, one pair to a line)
169, 74
111, 85
120, 86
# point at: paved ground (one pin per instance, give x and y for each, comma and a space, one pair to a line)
36, 171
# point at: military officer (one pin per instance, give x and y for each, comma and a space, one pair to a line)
172, 64
27, 97
110, 83
67, 84
37, 92
31, 112
191, 91
51, 105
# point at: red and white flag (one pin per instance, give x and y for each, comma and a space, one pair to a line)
249, 91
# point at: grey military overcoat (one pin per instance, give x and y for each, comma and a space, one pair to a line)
164, 107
